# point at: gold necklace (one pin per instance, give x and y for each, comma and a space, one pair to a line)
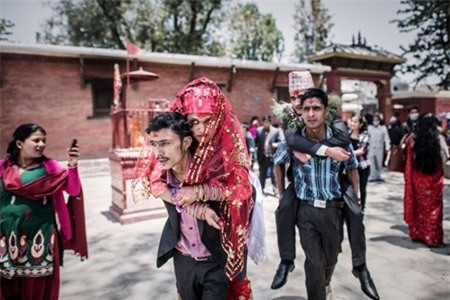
26, 166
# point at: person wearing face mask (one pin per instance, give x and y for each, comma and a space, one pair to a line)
411, 124
379, 144
395, 131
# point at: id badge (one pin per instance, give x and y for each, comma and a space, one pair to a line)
320, 203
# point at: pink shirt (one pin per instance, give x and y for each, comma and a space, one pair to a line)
190, 241
253, 129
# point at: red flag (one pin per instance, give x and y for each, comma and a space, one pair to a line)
117, 84
133, 49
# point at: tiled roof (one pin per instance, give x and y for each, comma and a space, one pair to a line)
362, 50
169, 58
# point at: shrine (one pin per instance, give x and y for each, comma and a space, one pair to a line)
129, 118
360, 62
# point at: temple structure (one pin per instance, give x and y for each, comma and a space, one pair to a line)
359, 61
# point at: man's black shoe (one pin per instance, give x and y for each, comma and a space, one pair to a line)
280, 278
367, 285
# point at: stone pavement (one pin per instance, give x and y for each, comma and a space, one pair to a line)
122, 258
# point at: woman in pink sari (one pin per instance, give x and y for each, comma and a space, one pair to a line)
426, 151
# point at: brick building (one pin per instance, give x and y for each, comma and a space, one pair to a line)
435, 102
69, 90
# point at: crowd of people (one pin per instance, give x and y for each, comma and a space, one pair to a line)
200, 160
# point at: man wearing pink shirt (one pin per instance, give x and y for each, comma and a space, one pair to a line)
191, 234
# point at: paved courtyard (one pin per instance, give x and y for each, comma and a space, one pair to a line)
122, 258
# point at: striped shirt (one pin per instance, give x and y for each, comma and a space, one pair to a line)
318, 179
362, 143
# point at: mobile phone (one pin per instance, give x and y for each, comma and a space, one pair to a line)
74, 143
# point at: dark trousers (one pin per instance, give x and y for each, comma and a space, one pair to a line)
363, 179
353, 216
204, 280
265, 164
320, 237
285, 219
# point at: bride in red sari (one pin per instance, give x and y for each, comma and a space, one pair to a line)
426, 151
220, 164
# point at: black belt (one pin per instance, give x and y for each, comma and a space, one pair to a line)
203, 258
323, 203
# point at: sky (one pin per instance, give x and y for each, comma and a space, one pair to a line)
370, 17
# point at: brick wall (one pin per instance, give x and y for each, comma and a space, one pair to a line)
48, 92
425, 105
56, 93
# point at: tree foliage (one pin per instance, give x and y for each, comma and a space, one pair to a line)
187, 24
431, 48
177, 26
312, 26
5, 25
87, 23
254, 36
174, 26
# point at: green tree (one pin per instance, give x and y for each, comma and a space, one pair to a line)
5, 25
312, 24
90, 23
187, 23
253, 35
174, 26
430, 51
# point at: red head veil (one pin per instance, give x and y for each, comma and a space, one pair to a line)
222, 160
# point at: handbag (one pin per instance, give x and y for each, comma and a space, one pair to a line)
396, 160
397, 157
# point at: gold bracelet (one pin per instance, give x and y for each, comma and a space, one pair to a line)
203, 216
214, 192
208, 186
196, 193
205, 192
202, 196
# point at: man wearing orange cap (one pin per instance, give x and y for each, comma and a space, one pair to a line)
299, 82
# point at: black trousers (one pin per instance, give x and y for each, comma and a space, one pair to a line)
204, 280
264, 164
363, 179
320, 237
285, 220
353, 217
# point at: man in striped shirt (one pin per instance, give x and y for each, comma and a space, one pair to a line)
318, 189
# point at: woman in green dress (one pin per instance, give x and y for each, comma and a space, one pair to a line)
36, 223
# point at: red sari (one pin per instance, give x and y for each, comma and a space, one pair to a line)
423, 201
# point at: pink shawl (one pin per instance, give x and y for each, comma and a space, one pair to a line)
71, 215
